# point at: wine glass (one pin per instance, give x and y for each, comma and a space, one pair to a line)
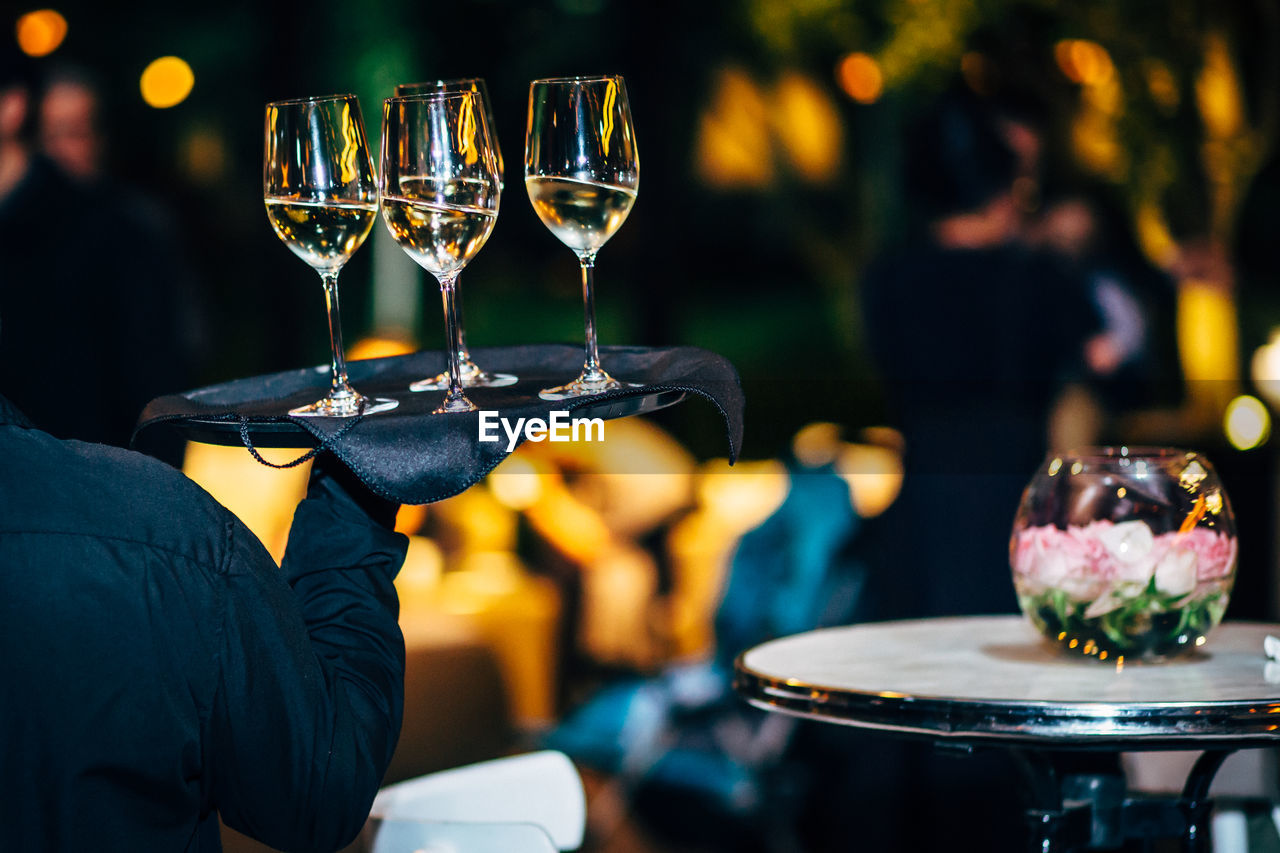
473, 376
582, 172
440, 196
322, 197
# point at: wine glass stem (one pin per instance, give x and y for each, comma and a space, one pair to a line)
338, 359
591, 370
448, 293
463, 354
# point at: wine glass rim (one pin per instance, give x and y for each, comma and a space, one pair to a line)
1104, 453
441, 83
313, 99
597, 78
436, 95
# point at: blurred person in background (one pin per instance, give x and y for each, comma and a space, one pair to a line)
68, 122
1132, 360
93, 322
975, 334
49, 308
1070, 227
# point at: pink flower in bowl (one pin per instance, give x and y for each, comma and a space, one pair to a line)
1215, 552
1124, 551
1049, 558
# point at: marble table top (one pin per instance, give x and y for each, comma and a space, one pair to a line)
993, 677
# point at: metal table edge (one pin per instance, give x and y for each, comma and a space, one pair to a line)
1151, 726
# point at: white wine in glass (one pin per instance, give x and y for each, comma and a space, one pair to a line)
324, 235
440, 194
321, 198
581, 171
473, 376
582, 215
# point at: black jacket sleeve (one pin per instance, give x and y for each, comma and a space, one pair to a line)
311, 697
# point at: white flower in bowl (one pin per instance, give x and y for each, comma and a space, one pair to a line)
1176, 571
1129, 545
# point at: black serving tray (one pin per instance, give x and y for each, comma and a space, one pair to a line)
290, 433
413, 456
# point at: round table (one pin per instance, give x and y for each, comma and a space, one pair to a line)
974, 681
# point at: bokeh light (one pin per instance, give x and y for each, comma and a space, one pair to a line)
41, 32
1154, 237
807, 126
204, 157
1265, 369
1218, 92
1162, 85
166, 82
1247, 422
733, 149
1083, 61
516, 483
860, 77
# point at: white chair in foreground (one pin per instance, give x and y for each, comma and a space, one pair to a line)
540, 788
393, 835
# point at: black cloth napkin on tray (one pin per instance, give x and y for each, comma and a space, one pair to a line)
412, 456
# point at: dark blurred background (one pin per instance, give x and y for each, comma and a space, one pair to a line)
771, 139
772, 166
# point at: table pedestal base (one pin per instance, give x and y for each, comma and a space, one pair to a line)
1092, 810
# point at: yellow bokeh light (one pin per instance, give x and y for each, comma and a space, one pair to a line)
1154, 236
1218, 90
1162, 85
860, 77
807, 126
1096, 144
1265, 369
423, 567
41, 32
1207, 335
817, 444
517, 483
263, 498
166, 82
874, 475
384, 345
1247, 422
1083, 61
733, 149
204, 156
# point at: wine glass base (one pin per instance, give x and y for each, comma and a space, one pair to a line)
454, 406
480, 379
581, 388
345, 407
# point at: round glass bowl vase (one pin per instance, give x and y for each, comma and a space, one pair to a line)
1124, 551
